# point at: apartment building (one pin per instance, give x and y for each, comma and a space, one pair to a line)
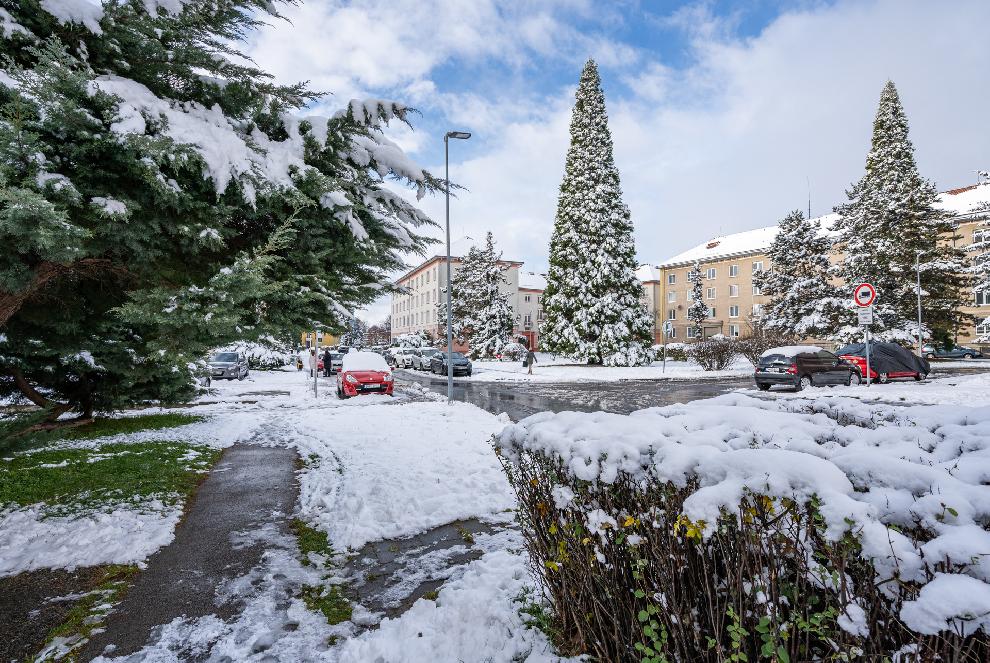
729, 263
415, 309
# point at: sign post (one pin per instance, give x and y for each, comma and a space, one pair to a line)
863, 296
668, 326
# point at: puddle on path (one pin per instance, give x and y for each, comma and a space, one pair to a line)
387, 577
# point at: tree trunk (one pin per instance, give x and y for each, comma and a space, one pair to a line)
56, 409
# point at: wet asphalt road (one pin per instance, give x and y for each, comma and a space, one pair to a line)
521, 399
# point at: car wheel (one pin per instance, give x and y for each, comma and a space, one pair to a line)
854, 379
884, 378
929, 356
805, 383
968, 355
763, 387
240, 377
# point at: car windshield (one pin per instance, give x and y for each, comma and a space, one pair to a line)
457, 355
430, 352
767, 360
225, 356
364, 361
336, 355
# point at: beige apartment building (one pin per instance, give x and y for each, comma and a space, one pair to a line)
415, 309
729, 263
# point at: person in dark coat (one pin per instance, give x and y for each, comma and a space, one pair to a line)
327, 370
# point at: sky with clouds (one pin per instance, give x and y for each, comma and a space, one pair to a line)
722, 112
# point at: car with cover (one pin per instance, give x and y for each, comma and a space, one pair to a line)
888, 361
802, 366
364, 373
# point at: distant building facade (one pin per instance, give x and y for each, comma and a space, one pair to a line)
730, 262
414, 308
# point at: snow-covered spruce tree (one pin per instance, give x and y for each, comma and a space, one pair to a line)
482, 314
891, 216
803, 302
698, 311
591, 305
159, 198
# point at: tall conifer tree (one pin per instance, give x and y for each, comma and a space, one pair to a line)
698, 311
890, 219
592, 307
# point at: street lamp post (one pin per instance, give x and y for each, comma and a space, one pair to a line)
461, 135
917, 269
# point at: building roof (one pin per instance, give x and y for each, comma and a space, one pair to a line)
956, 201
453, 259
647, 273
532, 281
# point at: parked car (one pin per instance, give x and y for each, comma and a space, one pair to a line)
958, 352
228, 366
438, 364
403, 357
336, 361
888, 361
422, 358
363, 373
803, 366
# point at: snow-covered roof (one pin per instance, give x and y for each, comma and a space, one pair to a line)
957, 201
532, 281
647, 273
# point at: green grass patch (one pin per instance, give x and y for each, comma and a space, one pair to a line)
92, 609
310, 540
12, 437
328, 600
68, 479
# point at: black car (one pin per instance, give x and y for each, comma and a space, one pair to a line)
438, 364
802, 366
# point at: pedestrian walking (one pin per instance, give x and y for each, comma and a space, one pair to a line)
313, 363
530, 360
327, 369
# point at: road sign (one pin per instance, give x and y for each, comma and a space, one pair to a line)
668, 327
865, 316
864, 294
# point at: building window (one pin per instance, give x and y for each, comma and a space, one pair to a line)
526, 298
710, 274
733, 270
733, 311
757, 266
734, 331
673, 333
539, 314
691, 332
671, 279
711, 311
733, 291
757, 310
983, 329
529, 319
671, 314
710, 294
671, 297
757, 290
690, 295
982, 297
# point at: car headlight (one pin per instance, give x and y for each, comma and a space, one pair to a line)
388, 377
350, 378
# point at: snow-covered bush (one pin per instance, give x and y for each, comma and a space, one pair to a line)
418, 340
741, 529
714, 353
514, 352
263, 356
675, 351
760, 340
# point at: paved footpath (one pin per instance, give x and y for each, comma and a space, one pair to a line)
249, 487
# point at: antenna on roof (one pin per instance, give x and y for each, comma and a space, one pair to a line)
809, 196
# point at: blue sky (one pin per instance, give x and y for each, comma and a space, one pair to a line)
721, 112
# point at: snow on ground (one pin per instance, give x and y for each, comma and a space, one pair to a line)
32, 539
942, 388
550, 369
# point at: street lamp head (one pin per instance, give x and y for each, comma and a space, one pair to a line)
462, 135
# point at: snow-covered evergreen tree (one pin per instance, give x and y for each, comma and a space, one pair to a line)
698, 311
591, 305
482, 314
160, 197
803, 302
890, 218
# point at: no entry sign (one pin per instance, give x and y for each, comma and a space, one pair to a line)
864, 294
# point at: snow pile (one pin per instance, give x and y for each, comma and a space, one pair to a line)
909, 484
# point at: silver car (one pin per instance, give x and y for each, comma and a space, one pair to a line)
228, 366
422, 358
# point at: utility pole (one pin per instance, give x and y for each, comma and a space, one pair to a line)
917, 269
462, 135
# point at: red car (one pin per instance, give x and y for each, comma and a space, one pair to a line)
890, 362
364, 373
